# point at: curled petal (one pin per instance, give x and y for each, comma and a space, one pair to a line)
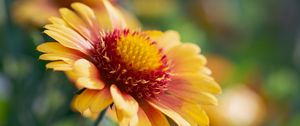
94, 101
124, 102
87, 74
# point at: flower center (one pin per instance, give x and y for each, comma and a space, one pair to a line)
132, 61
138, 52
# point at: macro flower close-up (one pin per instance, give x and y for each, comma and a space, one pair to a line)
149, 63
142, 76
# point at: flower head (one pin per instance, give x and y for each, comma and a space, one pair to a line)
143, 75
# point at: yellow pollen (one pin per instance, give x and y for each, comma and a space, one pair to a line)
138, 53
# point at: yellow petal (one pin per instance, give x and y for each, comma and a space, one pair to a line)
156, 117
124, 102
168, 40
88, 113
143, 119
68, 37
154, 34
91, 102
124, 120
89, 17
54, 57
88, 75
59, 66
57, 21
186, 58
194, 114
169, 112
55, 47
115, 16
193, 95
101, 100
197, 81
77, 23
83, 101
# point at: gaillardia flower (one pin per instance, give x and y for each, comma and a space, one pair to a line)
142, 75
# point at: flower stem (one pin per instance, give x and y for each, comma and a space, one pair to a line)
100, 117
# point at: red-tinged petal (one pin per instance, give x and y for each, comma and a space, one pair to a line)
143, 119
116, 18
194, 97
59, 66
168, 107
156, 117
198, 81
90, 19
126, 104
87, 74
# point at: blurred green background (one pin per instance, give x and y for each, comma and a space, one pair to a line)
252, 46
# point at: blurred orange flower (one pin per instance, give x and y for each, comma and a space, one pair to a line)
143, 75
36, 12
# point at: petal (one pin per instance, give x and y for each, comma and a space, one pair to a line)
90, 19
83, 101
57, 21
94, 101
156, 117
143, 119
68, 38
118, 22
77, 23
59, 66
186, 58
126, 120
194, 114
54, 57
168, 108
88, 113
87, 74
194, 96
57, 48
197, 81
167, 40
124, 102
101, 100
